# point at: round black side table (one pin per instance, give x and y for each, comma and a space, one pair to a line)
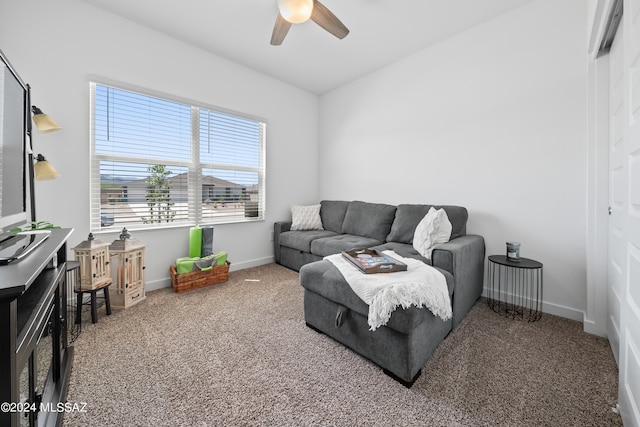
515, 287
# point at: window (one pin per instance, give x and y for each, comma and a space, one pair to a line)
161, 163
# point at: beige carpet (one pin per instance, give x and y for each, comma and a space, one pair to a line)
239, 353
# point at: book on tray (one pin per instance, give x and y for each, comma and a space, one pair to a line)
371, 261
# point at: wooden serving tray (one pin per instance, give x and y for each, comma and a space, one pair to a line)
370, 261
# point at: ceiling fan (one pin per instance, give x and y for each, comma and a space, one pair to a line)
299, 11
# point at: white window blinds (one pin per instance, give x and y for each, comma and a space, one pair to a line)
159, 163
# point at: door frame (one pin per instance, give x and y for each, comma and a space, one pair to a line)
597, 235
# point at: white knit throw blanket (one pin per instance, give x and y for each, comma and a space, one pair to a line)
421, 285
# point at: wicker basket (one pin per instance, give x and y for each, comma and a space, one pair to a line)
198, 279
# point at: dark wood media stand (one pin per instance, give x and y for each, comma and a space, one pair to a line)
35, 361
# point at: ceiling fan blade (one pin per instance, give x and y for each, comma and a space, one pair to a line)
327, 20
280, 30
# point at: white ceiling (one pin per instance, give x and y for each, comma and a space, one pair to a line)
381, 32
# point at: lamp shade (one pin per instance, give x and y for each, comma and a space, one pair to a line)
43, 122
295, 11
43, 169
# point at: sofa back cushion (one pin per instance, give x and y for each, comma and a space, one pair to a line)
408, 216
332, 213
369, 220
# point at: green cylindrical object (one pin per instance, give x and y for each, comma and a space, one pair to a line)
195, 242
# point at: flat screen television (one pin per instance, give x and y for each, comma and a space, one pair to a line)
15, 175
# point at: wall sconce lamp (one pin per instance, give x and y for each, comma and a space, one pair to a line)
43, 122
43, 170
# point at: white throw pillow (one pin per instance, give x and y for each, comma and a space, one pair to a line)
433, 229
306, 218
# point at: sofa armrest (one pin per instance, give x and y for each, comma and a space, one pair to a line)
464, 258
278, 228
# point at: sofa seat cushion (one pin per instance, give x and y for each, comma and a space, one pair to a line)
324, 279
344, 242
301, 240
369, 220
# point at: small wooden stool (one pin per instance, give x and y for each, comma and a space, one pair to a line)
94, 306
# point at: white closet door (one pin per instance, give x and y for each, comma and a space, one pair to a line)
626, 187
616, 191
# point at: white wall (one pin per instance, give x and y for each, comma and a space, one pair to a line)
58, 47
493, 119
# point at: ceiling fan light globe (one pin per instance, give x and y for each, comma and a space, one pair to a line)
295, 11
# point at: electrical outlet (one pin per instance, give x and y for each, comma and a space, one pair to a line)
271, 236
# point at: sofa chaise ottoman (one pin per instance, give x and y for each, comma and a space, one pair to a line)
410, 337
401, 347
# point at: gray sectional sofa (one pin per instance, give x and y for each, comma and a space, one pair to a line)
404, 345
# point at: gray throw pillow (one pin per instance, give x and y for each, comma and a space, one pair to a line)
404, 225
369, 220
408, 216
332, 213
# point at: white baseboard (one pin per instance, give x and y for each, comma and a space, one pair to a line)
556, 309
591, 327
562, 311
158, 284
251, 263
